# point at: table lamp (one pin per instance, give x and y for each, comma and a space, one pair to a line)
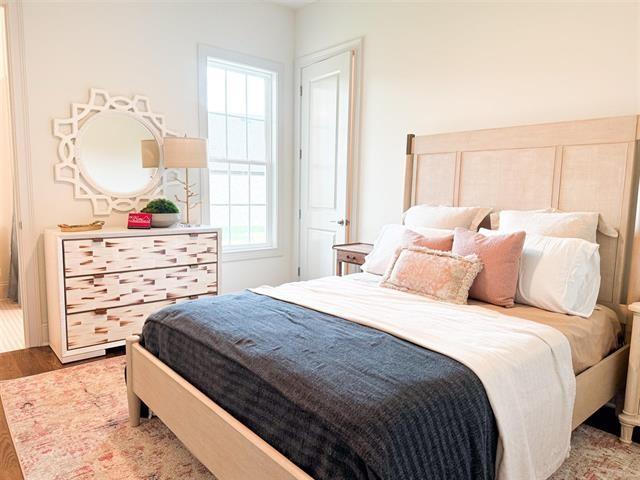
184, 152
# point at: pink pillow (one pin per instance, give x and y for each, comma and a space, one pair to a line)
500, 255
415, 239
434, 274
393, 236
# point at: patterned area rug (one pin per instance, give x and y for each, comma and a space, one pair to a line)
72, 423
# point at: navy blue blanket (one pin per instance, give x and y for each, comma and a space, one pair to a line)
340, 400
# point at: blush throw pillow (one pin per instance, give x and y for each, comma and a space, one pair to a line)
500, 256
434, 274
393, 236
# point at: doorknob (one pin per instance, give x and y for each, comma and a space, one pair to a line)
340, 222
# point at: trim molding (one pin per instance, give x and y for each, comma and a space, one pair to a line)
355, 46
29, 255
277, 191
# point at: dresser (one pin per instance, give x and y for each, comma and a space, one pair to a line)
102, 285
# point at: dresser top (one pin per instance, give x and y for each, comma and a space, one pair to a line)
109, 232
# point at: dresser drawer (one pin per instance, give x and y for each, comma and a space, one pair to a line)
91, 328
123, 254
119, 289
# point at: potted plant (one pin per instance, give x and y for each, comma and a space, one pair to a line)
164, 213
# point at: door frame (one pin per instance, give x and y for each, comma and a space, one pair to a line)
355, 46
29, 254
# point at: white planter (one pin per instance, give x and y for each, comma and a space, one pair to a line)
164, 220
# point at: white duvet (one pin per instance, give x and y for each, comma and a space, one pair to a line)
525, 367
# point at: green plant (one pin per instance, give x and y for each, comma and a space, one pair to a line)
160, 205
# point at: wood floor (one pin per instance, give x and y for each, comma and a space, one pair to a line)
32, 361
22, 363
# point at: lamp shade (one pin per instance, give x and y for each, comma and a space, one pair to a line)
150, 154
183, 152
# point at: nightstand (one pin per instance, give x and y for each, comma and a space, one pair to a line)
352, 253
630, 416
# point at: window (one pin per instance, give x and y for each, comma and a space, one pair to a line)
241, 120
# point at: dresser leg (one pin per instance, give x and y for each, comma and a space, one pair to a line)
626, 432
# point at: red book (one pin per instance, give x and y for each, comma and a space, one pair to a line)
139, 220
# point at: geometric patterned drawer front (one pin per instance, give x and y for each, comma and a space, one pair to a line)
122, 254
119, 289
90, 328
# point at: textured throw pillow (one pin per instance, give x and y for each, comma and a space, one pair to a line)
393, 236
434, 274
445, 217
500, 256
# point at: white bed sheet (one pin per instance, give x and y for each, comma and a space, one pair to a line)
591, 339
525, 366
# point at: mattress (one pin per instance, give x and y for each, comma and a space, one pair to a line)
340, 400
591, 339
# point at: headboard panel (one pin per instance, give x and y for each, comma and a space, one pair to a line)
586, 165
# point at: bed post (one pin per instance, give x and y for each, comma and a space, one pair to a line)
408, 174
132, 398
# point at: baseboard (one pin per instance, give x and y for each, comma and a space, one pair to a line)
4, 290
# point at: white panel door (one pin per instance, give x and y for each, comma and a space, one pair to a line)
324, 162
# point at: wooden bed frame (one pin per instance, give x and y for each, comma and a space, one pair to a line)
583, 165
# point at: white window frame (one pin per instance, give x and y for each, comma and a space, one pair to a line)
275, 215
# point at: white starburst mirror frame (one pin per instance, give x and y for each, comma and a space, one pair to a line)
70, 168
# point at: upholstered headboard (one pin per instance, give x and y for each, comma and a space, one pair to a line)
587, 165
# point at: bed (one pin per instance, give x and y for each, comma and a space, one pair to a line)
518, 168
590, 339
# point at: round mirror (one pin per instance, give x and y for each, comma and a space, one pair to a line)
110, 153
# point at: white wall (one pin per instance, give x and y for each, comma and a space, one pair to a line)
434, 68
148, 49
427, 68
6, 183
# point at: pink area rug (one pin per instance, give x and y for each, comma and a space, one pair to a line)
72, 424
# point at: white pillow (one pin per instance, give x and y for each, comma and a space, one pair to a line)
387, 242
494, 218
603, 226
558, 274
553, 224
445, 217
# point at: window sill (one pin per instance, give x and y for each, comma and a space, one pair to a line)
250, 254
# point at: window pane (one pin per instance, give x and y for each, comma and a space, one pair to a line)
256, 142
258, 185
239, 184
237, 138
239, 106
220, 219
236, 93
239, 232
258, 224
255, 96
215, 89
217, 136
219, 183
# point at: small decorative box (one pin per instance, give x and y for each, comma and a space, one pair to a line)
139, 220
